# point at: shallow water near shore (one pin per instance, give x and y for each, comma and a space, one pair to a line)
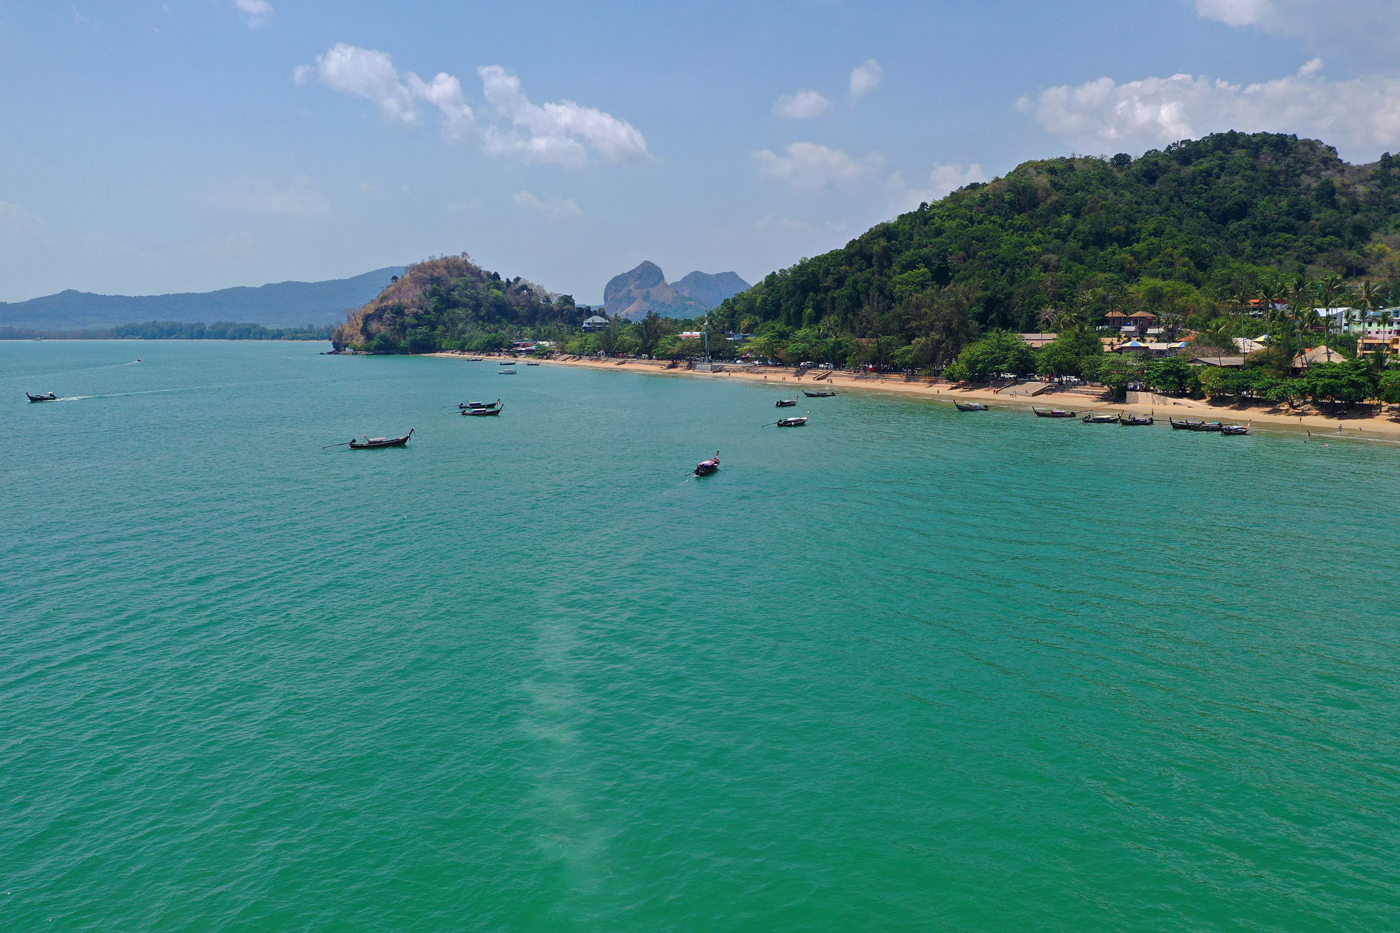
901, 669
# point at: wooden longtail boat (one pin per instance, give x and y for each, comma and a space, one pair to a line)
1099, 419
505, 372
464, 405
46, 397
786, 402
793, 422
1133, 421
1053, 413
969, 406
1234, 430
370, 443
1193, 424
823, 394
532, 364
482, 412
706, 467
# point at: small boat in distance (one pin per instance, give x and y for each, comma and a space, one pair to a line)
1099, 419
1234, 430
494, 404
483, 412
46, 397
506, 363
793, 422
1194, 424
706, 467
371, 443
1133, 421
824, 393
969, 406
1053, 413
532, 364
476, 359
786, 402
505, 372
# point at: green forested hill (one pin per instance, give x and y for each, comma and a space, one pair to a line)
1198, 225
452, 304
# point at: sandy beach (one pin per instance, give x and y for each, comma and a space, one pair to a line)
1361, 423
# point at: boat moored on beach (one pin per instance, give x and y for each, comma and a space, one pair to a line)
46, 397
707, 467
1053, 413
1135, 421
1195, 424
821, 393
969, 406
1099, 419
1234, 430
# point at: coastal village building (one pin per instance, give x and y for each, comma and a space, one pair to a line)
1036, 341
1316, 355
596, 322
1153, 348
1369, 344
1226, 362
1136, 324
1246, 346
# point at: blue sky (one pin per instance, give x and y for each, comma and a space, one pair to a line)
168, 145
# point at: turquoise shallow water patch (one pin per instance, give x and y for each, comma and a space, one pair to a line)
902, 669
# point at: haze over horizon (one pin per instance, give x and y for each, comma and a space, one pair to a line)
159, 147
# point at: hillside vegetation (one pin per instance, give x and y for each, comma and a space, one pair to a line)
1189, 233
450, 303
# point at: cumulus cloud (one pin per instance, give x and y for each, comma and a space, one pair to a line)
865, 78
564, 133
1361, 117
553, 208
255, 12
364, 73
1364, 30
943, 180
813, 167
804, 105
558, 134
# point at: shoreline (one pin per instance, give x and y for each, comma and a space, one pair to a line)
1378, 426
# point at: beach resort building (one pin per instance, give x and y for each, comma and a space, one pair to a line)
1036, 341
1316, 355
1135, 324
596, 322
1153, 348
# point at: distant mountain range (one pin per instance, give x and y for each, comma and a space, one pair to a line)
284, 304
632, 295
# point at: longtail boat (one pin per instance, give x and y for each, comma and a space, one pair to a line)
370, 443
1133, 421
1053, 413
1099, 419
46, 397
969, 406
706, 467
793, 422
1194, 424
821, 394
1234, 430
786, 402
464, 405
532, 364
505, 372
482, 412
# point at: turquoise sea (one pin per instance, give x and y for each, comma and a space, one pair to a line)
902, 669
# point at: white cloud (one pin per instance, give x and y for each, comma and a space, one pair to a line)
445, 93
804, 105
1361, 117
563, 133
813, 167
255, 12
558, 134
865, 78
364, 73
1362, 30
553, 208
248, 196
943, 180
